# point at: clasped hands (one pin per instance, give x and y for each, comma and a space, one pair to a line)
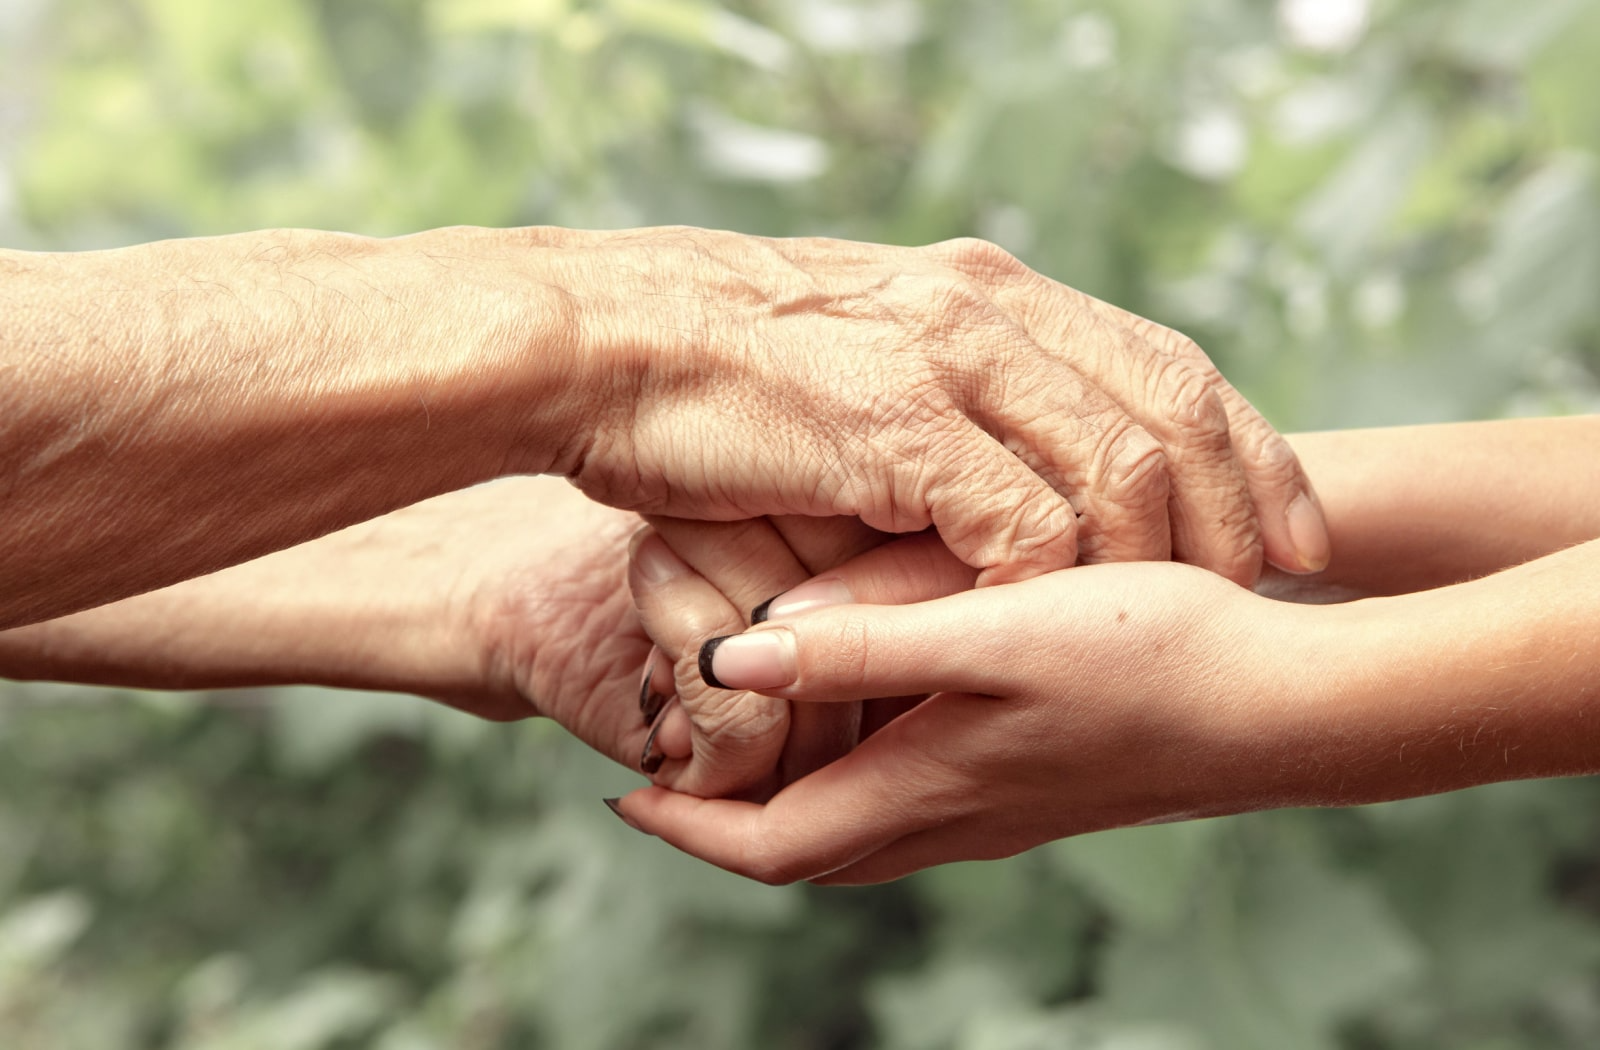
884, 716
887, 716
722, 377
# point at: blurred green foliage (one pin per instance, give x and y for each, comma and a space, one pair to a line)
1391, 219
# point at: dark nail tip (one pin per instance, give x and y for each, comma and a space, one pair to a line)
649, 759
759, 613
650, 705
614, 805
707, 651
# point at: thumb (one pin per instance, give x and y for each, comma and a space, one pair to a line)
972, 642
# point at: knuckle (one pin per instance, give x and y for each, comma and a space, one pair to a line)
920, 450
1169, 341
1032, 531
959, 311
1268, 455
1187, 398
697, 622
1132, 468
979, 258
737, 723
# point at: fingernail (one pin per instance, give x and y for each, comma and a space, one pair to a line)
650, 698
758, 660
655, 561
614, 805
649, 758
1308, 534
813, 594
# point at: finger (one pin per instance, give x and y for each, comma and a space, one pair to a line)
676, 738
1207, 473
821, 543
991, 509
737, 738
746, 561
1112, 470
1293, 529
877, 794
746, 558
821, 733
1170, 396
912, 569
1213, 519
969, 642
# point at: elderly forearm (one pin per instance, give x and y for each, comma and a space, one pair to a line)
172, 408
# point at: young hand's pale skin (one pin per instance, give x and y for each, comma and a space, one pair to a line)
1111, 695
173, 408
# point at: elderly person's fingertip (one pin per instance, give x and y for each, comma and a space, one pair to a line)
1308, 535
651, 561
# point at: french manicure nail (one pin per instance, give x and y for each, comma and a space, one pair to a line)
1308, 534
614, 805
758, 660
813, 594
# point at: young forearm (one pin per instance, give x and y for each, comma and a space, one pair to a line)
1410, 508
1494, 679
172, 408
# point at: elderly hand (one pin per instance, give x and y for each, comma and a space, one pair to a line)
507, 600
1035, 427
692, 581
207, 401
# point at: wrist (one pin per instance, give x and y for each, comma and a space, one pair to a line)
502, 362
1445, 689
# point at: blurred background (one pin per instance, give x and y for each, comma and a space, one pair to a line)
1367, 212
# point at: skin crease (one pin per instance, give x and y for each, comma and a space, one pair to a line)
1235, 701
174, 408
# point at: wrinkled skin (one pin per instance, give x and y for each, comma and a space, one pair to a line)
1034, 426
508, 601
